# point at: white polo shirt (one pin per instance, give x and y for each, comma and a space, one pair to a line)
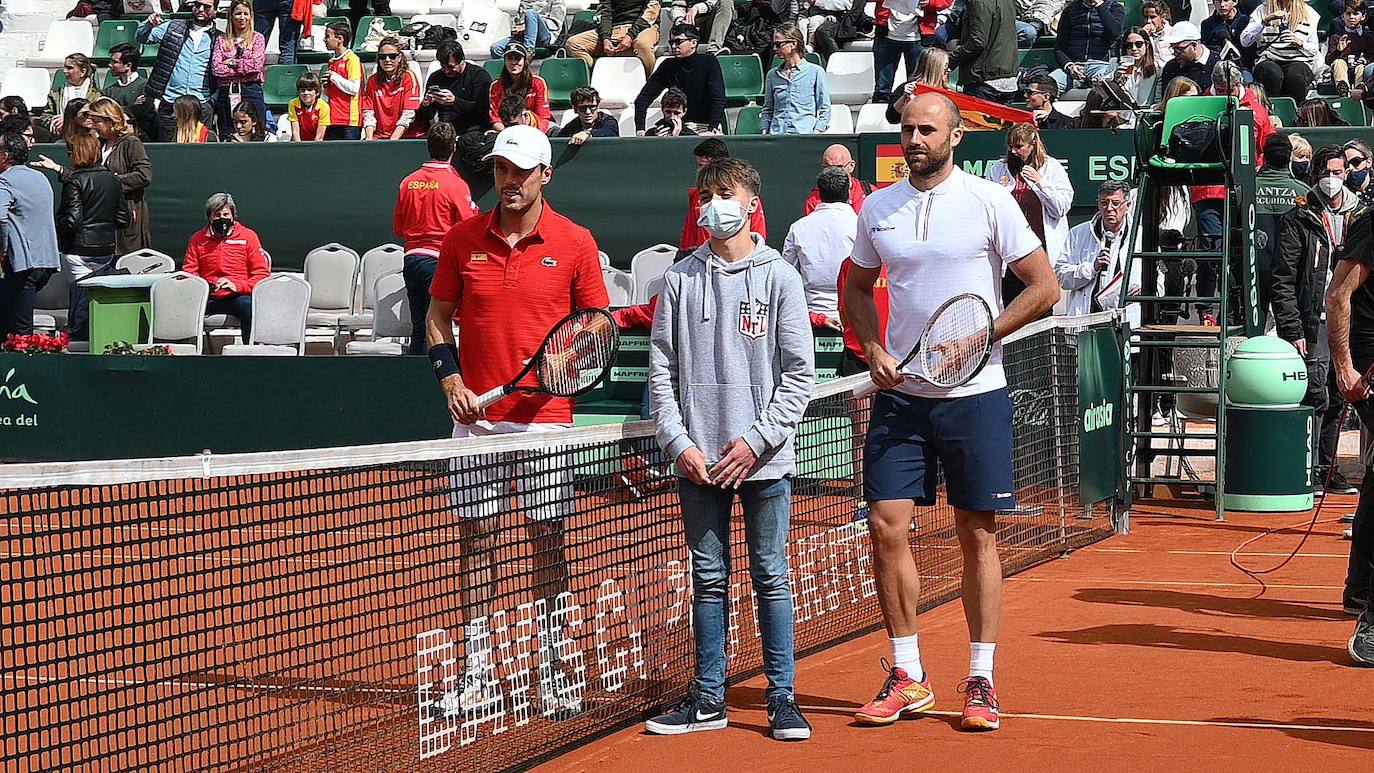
816, 245
955, 238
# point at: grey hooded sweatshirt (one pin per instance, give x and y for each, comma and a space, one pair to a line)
732, 356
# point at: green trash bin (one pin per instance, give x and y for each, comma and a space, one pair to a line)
1269, 437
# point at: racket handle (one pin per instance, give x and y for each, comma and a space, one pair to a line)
486, 399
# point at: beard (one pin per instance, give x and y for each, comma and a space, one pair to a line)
927, 161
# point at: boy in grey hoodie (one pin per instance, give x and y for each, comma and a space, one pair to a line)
730, 375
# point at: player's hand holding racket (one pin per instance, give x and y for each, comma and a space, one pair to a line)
952, 350
575, 356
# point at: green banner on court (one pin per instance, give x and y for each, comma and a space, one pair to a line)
1100, 413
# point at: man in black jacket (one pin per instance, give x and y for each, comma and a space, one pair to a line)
697, 74
1225, 25
459, 93
1192, 60
183, 63
986, 54
623, 27
1041, 93
1089, 35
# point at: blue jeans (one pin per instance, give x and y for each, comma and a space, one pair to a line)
536, 34
1026, 33
886, 52
1209, 216
1093, 70
706, 520
239, 306
418, 272
265, 12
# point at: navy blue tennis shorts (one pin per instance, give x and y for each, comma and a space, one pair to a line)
910, 439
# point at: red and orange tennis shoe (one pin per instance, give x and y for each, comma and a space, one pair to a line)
900, 695
980, 705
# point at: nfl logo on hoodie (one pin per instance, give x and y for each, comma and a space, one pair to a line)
753, 325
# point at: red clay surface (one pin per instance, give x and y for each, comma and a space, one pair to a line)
1144, 652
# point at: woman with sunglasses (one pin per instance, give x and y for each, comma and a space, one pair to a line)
796, 94
391, 95
238, 62
1357, 170
517, 79
1138, 71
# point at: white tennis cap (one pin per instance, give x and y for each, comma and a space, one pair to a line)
1182, 32
524, 146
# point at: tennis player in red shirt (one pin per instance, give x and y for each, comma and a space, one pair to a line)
431, 200
511, 274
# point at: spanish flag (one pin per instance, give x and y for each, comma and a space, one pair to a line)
982, 114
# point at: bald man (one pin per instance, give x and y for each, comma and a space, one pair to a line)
839, 156
941, 233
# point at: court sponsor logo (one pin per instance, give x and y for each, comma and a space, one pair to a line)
15, 393
1098, 416
13, 390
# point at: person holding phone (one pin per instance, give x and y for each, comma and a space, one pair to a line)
1041, 189
459, 93
1284, 33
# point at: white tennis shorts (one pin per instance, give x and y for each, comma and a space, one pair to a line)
543, 480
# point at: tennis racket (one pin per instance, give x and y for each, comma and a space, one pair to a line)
953, 348
575, 356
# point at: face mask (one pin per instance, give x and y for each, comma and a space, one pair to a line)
220, 226
1330, 186
722, 218
1299, 168
1015, 163
1356, 180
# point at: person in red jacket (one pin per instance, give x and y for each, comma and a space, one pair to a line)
516, 78
839, 155
430, 201
228, 255
693, 235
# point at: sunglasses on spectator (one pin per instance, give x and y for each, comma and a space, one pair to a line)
1179, 48
586, 108
681, 41
1357, 161
1139, 44
778, 43
389, 56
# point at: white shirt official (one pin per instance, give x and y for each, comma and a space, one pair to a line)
816, 245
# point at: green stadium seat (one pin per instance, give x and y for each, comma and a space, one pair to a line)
1350, 110
495, 66
585, 16
111, 34
392, 23
1134, 17
750, 121
1032, 57
110, 77
814, 58
1284, 109
743, 78
279, 84
562, 76
148, 52
304, 56
59, 80
1181, 110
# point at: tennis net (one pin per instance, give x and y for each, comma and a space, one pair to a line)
318, 610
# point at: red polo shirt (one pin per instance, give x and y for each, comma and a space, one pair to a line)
431, 200
510, 297
237, 257
851, 341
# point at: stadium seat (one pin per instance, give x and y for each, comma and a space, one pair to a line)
280, 306
311, 50
851, 77
64, 39
31, 83
332, 272
279, 84
178, 304
111, 34
391, 23
51, 303
146, 261
391, 326
649, 265
1284, 109
743, 78
841, 120
619, 285
148, 52
1350, 110
494, 68
604, 258
480, 25
562, 76
750, 121
873, 118
627, 119
408, 9
375, 262
1032, 57
508, 6
618, 80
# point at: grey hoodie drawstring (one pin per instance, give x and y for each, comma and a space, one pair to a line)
708, 297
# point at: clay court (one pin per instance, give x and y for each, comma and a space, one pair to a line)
1143, 652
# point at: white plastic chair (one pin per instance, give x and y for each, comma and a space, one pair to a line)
376, 262
331, 271
626, 120
873, 118
648, 265
841, 120
64, 38
31, 83
618, 79
605, 259
407, 9
850, 74
280, 303
480, 25
391, 326
620, 286
178, 301
146, 261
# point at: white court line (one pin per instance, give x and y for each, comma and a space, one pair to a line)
1147, 721
1120, 581
1342, 556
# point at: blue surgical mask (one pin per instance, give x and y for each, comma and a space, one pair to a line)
1356, 180
1299, 168
722, 218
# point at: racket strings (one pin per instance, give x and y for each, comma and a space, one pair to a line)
956, 342
576, 355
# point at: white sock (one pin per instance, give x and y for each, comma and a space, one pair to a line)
980, 659
906, 655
